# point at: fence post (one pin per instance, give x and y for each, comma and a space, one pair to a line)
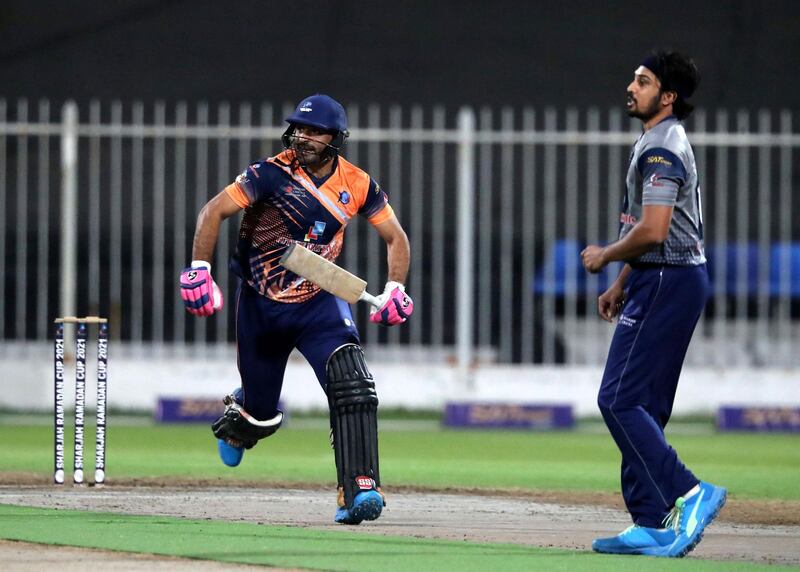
69, 209
465, 234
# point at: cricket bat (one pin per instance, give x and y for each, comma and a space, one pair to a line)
326, 275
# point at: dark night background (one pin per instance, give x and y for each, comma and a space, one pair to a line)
507, 52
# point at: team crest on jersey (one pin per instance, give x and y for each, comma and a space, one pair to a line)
315, 231
344, 197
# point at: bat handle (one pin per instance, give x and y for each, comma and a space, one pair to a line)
369, 298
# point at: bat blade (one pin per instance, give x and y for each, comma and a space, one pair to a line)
325, 274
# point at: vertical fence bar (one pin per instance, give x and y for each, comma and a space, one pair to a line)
785, 277
21, 270
701, 156
465, 241
352, 240
159, 290
69, 211
570, 231
58, 401
438, 219
615, 190
722, 243
743, 239
94, 211
200, 198
43, 229
102, 400
137, 222
179, 255
115, 221
508, 302
485, 250
3, 225
396, 186
529, 229
592, 210
372, 246
244, 159
416, 227
80, 402
766, 351
221, 273
549, 329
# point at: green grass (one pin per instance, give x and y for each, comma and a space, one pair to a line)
752, 466
295, 547
415, 453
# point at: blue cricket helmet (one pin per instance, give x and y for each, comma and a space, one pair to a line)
323, 112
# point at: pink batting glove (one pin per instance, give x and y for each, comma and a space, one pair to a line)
396, 306
201, 295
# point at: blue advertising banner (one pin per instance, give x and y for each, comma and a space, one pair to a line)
739, 418
508, 416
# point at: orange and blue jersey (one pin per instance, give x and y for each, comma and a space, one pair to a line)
284, 204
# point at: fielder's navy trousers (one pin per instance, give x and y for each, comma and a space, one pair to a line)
268, 331
662, 306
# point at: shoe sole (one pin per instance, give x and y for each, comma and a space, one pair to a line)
693, 544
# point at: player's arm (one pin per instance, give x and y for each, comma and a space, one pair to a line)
398, 250
209, 220
201, 295
651, 230
395, 305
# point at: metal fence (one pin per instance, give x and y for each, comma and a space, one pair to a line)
98, 206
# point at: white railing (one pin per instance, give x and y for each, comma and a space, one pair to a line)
97, 211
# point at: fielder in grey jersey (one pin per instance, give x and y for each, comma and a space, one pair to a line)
662, 171
659, 296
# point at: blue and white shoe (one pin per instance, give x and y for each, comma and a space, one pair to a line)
637, 540
367, 505
691, 516
229, 454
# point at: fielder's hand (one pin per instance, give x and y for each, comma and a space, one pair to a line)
201, 295
593, 258
395, 306
610, 302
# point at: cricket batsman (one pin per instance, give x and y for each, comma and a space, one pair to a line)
305, 195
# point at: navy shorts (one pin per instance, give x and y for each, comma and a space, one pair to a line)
268, 331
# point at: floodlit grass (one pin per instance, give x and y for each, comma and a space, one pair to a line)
310, 549
755, 466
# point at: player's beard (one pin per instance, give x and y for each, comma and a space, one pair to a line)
307, 155
646, 113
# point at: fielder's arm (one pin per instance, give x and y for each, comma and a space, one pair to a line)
208, 222
649, 232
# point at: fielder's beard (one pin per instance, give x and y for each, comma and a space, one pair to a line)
648, 112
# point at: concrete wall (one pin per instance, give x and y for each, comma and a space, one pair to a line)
137, 380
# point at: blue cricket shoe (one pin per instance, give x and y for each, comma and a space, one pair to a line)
229, 454
637, 540
691, 516
367, 505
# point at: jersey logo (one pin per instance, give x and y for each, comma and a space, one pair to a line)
344, 197
656, 159
294, 191
315, 231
